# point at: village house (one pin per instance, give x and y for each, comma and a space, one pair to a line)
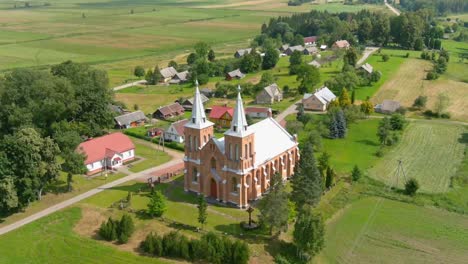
258, 112
310, 41
188, 103
314, 63
367, 68
237, 168
310, 51
341, 44
169, 111
269, 95
319, 100
175, 132
179, 77
167, 74
107, 152
242, 52
284, 47
132, 119
221, 115
235, 74
290, 50
387, 107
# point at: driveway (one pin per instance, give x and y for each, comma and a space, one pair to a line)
394, 10
129, 85
367, 52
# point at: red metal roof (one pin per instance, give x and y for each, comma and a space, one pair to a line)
101, 147
218, 111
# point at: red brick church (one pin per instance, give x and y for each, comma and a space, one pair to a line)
237, 168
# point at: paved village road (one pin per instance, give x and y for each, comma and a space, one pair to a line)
176, 159
394, 10
128, 85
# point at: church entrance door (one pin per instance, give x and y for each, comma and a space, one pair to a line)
213, 189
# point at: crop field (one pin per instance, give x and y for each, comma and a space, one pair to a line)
431, 152
377, 230
409, 82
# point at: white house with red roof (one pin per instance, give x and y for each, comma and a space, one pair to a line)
109, 151
175, 132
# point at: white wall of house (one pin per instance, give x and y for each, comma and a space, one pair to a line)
173, 137
128, 154
95, 165
257, 114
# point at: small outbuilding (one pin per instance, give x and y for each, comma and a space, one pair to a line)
341, 44
188, 103
242, 52
235, 74
315, 63
269, 95
169, 111
167, 74
258, 112
387, 107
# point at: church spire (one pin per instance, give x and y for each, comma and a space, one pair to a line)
239, 122
198, 118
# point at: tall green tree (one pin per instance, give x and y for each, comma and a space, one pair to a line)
295, 61
274, 205
344, 99
202, 49
309, 232
308, 76
157, 204
384, 130
211, 55
307, 181
270, 59
74, 164
350, 57
8, 195
157, 76
139, 71
202, 207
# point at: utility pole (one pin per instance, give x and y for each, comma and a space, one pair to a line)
400, 170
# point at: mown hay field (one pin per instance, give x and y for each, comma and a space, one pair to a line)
430, 151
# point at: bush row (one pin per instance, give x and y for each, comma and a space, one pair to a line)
211, 248
121, 230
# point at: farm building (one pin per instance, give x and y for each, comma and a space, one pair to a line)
242, 52
314, 63
284, 47
387, 107
107, 152
319, 100
341, 44
117, 109
207, 92
169, 111
235, 74
175, 132
367, 68
154, 132
269, 95
258, 112
132, 119
180, 77
237, 168
309, 41
290, 50
221, 115
323, 47
310, 51
167, 74
188, 103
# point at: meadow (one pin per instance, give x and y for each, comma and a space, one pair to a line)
378, 230
430, 152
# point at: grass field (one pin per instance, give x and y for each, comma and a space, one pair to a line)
431, 152
151, 156
385, 231
358, 148
52, 240
409, 82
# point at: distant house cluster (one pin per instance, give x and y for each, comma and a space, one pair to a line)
319, 100
341, 44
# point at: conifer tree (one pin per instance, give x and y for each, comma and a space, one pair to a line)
341, 124
202, 214
344, 98
274, 204
307, 181
309, 232
157, 204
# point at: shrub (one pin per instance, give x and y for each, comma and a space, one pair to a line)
432, 75
356, 173
157, 204
397, 122
385, 57
445, 115
122, 230
420, 102
401, 110
407, 55
379, 153
411, 186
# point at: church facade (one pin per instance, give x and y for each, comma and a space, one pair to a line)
237, 168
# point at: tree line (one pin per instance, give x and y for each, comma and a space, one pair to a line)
440, 7
410, 30
43, 118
